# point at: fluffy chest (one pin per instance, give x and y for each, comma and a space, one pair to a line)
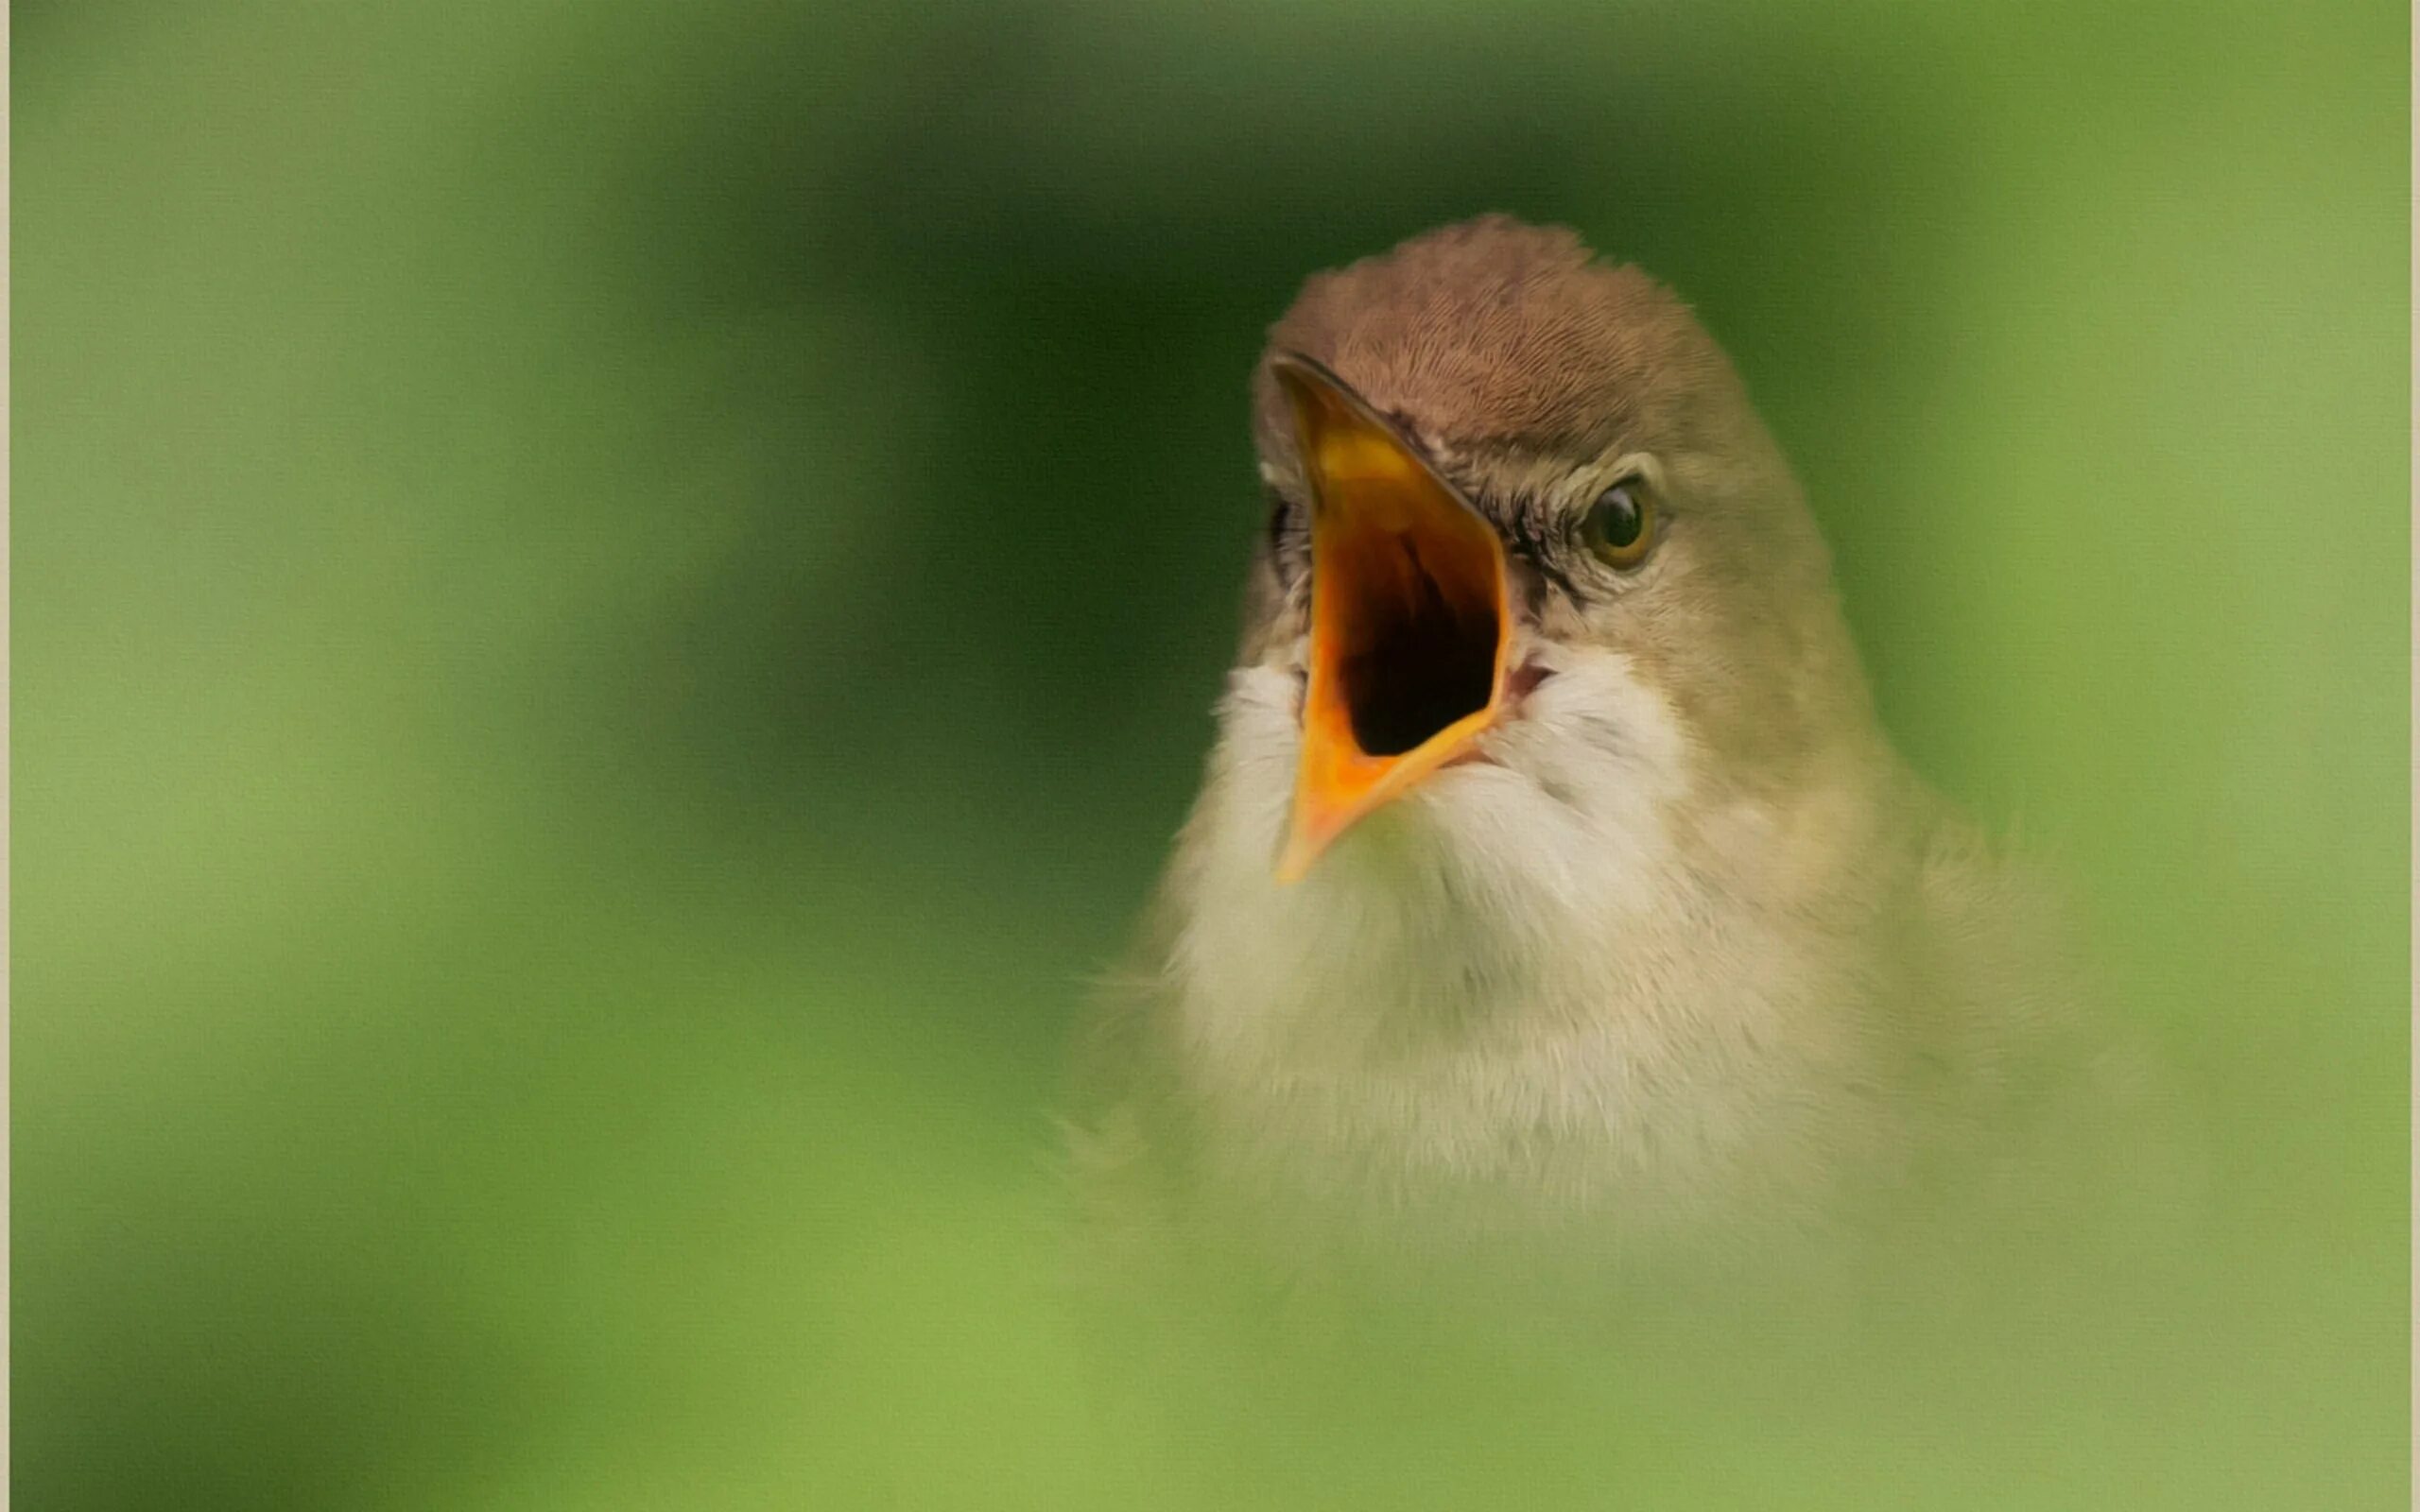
1521, 994
1411, 1035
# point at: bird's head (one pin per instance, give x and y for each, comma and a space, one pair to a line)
1536, 578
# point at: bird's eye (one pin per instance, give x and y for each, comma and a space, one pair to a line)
1620, 525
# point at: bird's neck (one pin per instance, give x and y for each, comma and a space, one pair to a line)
1638, 1018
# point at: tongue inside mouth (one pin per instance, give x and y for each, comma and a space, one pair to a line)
1417, 643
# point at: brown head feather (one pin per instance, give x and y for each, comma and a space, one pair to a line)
1493, 333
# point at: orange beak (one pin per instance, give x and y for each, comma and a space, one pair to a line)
1409, 627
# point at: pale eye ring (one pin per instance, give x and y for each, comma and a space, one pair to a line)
1620, 525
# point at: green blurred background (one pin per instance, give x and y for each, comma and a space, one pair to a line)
615, 603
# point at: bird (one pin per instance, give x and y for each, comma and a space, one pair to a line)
1554, 899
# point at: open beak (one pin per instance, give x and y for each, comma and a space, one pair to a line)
1410, 630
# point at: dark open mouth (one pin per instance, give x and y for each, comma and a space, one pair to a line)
1409, 631
1419, 644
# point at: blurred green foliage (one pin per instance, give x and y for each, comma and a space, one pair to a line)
615, 603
